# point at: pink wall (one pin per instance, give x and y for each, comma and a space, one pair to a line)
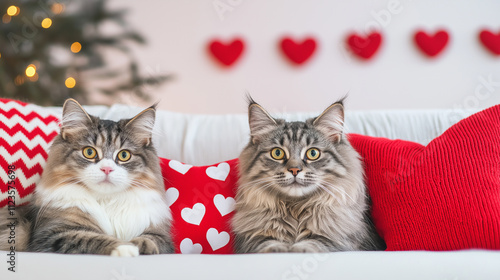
398, 76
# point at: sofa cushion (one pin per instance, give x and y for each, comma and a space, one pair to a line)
25, 133
442, 196
201, 199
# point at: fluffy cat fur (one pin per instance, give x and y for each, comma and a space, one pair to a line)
322, 208
101, 205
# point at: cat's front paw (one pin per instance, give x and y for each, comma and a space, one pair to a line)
276, 247
125, 251
308, 246
146, 246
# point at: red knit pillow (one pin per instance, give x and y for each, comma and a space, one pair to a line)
443, 196
25, 133
201, 199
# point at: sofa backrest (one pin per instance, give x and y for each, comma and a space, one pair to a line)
208, 139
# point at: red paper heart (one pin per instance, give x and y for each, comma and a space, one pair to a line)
443, 196
491, 41
364, 47
431, 45
298, 53
227, 54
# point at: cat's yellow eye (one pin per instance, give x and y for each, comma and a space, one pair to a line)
312, 154
89, 152
277, 153
124, 155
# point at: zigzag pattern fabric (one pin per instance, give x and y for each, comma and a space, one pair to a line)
26, 132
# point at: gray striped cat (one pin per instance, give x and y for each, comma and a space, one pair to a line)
301, 187
101, 191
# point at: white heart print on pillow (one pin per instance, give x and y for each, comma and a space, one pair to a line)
217, 240
194, 215
172, 196
224, 205
219, 172
179, 167
187, 247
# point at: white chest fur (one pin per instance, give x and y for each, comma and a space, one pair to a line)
125, 215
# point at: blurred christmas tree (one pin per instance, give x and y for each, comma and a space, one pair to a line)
47, 49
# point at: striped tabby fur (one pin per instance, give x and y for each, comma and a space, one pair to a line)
323, 208
81, 209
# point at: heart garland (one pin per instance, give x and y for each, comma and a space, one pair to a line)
491, 41
431, 45
226, 53
364, 47
298, 52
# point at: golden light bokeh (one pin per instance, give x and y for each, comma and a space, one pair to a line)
76, 47
13, 11
46, 23
57, 8
19, 80
31, 70
6, 18
34, 78
70, 82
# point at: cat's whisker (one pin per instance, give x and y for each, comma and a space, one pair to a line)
70, 180
332, 194
262, 187
254, 182
326, 190
137, 183
265, 186
165, 179
343, 193
41, 212
159, 133
141, 184
259, 185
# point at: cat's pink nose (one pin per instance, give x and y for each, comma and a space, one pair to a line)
294, 171
107, 169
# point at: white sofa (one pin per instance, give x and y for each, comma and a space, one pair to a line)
207, 139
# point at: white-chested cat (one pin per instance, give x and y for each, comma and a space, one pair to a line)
101, 192
301, 187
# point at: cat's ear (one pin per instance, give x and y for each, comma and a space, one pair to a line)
141, 126
74, 119
331, 122
260, 121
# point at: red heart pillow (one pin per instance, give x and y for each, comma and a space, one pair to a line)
201, 199
25, 133
443, 196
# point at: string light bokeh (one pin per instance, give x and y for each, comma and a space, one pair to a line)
50, 48
31, 70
